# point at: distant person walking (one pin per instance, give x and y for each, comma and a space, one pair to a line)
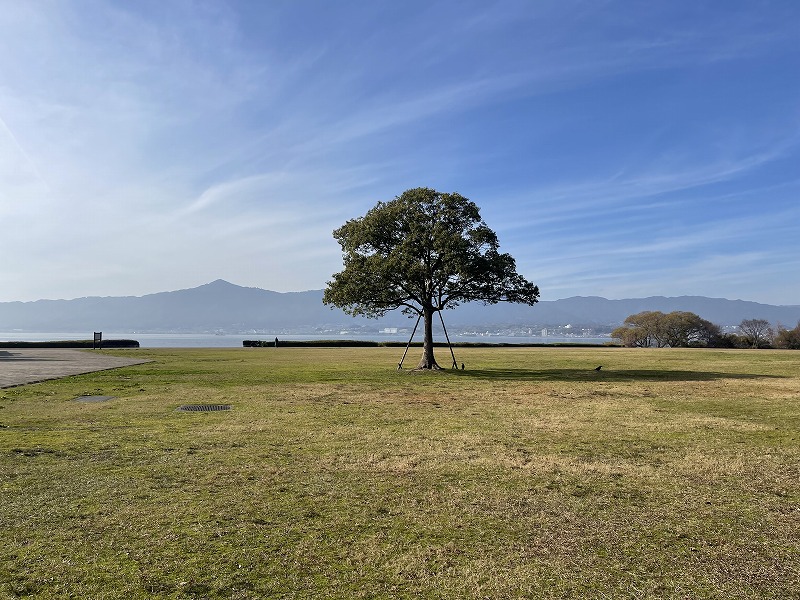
276, 342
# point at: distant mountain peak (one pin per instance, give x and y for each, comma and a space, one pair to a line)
219, 286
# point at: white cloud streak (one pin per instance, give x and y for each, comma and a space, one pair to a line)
197, 144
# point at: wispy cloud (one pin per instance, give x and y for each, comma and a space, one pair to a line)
612, 146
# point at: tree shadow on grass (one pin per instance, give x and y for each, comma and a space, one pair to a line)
610, 375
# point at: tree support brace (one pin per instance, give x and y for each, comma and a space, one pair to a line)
447, 337
400, 364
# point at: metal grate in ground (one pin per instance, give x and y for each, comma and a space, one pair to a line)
204, 407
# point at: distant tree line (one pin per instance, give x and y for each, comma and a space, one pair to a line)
655, 329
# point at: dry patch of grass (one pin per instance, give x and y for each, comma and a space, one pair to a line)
666, 474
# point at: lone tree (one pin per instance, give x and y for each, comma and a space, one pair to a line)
424, 251
757, 332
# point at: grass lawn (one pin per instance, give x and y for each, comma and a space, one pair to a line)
667, 474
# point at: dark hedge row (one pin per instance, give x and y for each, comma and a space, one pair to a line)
371, 344
308, 343
71, 344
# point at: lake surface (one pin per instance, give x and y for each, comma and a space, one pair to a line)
207, 340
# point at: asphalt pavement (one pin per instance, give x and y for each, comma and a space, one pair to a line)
32, 365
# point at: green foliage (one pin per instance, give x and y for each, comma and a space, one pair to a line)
422, 249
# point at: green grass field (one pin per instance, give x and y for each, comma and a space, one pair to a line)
668, 474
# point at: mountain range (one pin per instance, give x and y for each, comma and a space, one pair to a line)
223, 306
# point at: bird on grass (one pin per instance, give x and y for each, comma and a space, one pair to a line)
598, 368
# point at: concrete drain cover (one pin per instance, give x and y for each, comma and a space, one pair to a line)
204, 407
94, 398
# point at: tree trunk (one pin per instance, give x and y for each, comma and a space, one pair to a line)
428, 361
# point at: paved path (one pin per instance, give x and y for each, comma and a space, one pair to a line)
30, 365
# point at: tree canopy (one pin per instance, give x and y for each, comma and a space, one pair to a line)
677, 329
757, 332
423, 252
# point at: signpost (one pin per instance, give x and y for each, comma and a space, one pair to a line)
97, 342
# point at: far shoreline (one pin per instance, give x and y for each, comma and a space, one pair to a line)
236, 340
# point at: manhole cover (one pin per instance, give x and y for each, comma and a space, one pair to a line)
204, 407
93, 398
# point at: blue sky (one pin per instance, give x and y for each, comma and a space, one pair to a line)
619, 149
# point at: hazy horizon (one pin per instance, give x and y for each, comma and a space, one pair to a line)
225, 281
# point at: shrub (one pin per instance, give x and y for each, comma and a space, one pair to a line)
788, 338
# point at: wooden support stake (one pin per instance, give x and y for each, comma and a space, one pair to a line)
447, 337
400, 364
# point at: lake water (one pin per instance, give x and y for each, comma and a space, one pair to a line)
206, 340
